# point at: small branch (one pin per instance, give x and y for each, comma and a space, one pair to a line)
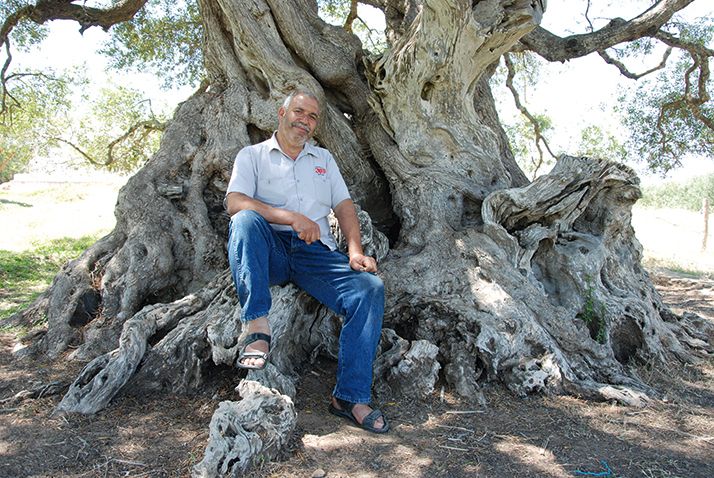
539, 138
3, 80
468, 430
452, 448
80, 151
671, 40
351, 16
627, 73
146, 127
52, 388
587, 18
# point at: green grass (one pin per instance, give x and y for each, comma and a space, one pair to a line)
25, 275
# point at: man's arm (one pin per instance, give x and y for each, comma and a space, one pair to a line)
307, 229
349, 224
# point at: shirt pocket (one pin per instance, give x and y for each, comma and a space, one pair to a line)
322, 189
272, 189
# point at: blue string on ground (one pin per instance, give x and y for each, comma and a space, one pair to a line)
607, 472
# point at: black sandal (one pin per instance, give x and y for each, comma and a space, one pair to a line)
367, 423
261, 355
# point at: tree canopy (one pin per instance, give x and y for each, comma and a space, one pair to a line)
166, 39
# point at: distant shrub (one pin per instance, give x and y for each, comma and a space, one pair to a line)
687, 195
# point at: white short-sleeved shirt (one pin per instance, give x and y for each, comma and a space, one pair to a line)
311, 185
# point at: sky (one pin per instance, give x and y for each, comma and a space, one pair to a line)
574, 94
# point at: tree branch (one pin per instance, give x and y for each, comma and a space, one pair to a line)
145, 126
80, 151
3, 80
4, 108
700, 55
87, 17
351, 16
539, 138
555, 48
627, 73
47, 10
587, 17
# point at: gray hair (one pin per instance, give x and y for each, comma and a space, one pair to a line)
308, 93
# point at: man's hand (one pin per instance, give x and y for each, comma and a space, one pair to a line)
308, 230
362, 263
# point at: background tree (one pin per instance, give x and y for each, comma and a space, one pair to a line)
119, 132
676, 102
491, 277
38, 111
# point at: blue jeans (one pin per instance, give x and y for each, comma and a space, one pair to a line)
260, 257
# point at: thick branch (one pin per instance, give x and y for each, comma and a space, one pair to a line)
555, 48
46, 10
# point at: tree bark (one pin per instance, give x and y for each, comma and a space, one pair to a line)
488, 277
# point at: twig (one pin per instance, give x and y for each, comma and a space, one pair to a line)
587, 17
464, 412
456, 428
453, 448
127, 462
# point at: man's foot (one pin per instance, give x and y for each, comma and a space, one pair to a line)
257, 345
360, 414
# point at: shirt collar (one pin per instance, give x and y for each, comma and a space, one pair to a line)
309, 148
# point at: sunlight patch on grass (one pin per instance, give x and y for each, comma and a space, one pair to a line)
25, 275
687, 269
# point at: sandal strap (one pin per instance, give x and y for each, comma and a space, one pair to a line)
373, 416
250, 338
261, 355
345, 405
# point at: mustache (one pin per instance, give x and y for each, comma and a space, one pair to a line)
300, 125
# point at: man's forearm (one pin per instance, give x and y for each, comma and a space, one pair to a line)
307, 229
349, 225
238, 202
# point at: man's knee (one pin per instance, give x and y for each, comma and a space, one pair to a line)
373, 286
246, 220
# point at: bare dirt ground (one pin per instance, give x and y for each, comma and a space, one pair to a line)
163, 436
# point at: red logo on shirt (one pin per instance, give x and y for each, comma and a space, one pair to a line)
320, 171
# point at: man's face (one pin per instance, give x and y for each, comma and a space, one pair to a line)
297, 123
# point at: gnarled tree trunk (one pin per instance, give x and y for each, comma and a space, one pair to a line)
537, 285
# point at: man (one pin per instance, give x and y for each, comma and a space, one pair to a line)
280, 194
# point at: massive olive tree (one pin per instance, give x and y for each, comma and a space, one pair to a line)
490, 277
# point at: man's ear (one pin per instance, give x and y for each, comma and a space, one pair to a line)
281, 112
